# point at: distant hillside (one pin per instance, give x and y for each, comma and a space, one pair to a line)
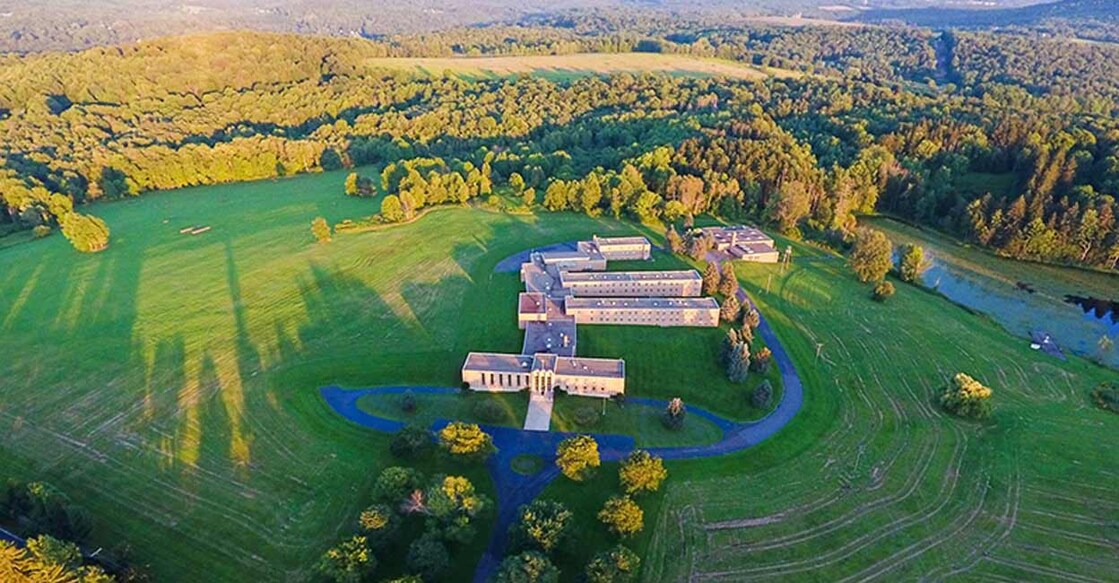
1098, 10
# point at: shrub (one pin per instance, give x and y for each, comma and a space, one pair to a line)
673, 417
882, 291
911, 262
1106, 396
586, 416
412, 442
320, 230
408, 402
379, 523
967, 397
762, 395
488, 410
41, 231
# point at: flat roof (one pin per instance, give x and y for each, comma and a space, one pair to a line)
744, 249
591, 367
620, 240
553, 256
531, 303
678, 275
584, 303
739, 232
495, 362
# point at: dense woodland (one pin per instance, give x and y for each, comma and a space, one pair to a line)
963, 132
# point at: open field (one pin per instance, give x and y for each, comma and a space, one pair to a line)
873, 481
579, 65
169, 385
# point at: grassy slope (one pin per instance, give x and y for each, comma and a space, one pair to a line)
168, 385
578, 65
883, 483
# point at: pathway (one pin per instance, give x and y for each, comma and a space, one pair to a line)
515, 490
539, 416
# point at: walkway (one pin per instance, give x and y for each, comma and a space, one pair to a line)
515, 490
539, 416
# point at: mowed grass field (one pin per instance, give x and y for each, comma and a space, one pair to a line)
170, 386
873, 481
560, 67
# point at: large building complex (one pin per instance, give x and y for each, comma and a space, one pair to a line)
568, 287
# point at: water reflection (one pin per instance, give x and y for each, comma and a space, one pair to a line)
1076, 323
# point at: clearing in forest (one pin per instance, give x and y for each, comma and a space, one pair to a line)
580, 64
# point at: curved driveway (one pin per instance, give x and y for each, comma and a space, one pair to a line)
515, 490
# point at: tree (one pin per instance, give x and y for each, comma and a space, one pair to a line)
577, 457
351, 184
617, 565
738, 363
760, 360
527, 567
517, 182
871, 256
428, 557
967, 397
752, 319
542, 524
529, 197
883, 290
622, 516
466, 439
1104, 347
392, 211
52, 551
320, 230
642, 472
673, 241
411, 442
730, 310
762, 395
711, 279
349, 562
728, 282
379, 522
86, 233
395, 484
911, 262
451, 504
674, 414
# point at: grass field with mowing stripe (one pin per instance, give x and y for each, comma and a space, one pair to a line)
170, 386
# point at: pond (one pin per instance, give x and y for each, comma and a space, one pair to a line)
1022, 297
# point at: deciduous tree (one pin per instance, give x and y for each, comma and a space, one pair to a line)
871, 255
622, 516
642, 472
577, 457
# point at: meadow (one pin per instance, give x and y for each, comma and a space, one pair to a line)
170, 386
562, 67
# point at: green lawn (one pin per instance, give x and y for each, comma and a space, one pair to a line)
644, 423
460, 407
169, 386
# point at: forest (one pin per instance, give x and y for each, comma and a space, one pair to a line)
964, 132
